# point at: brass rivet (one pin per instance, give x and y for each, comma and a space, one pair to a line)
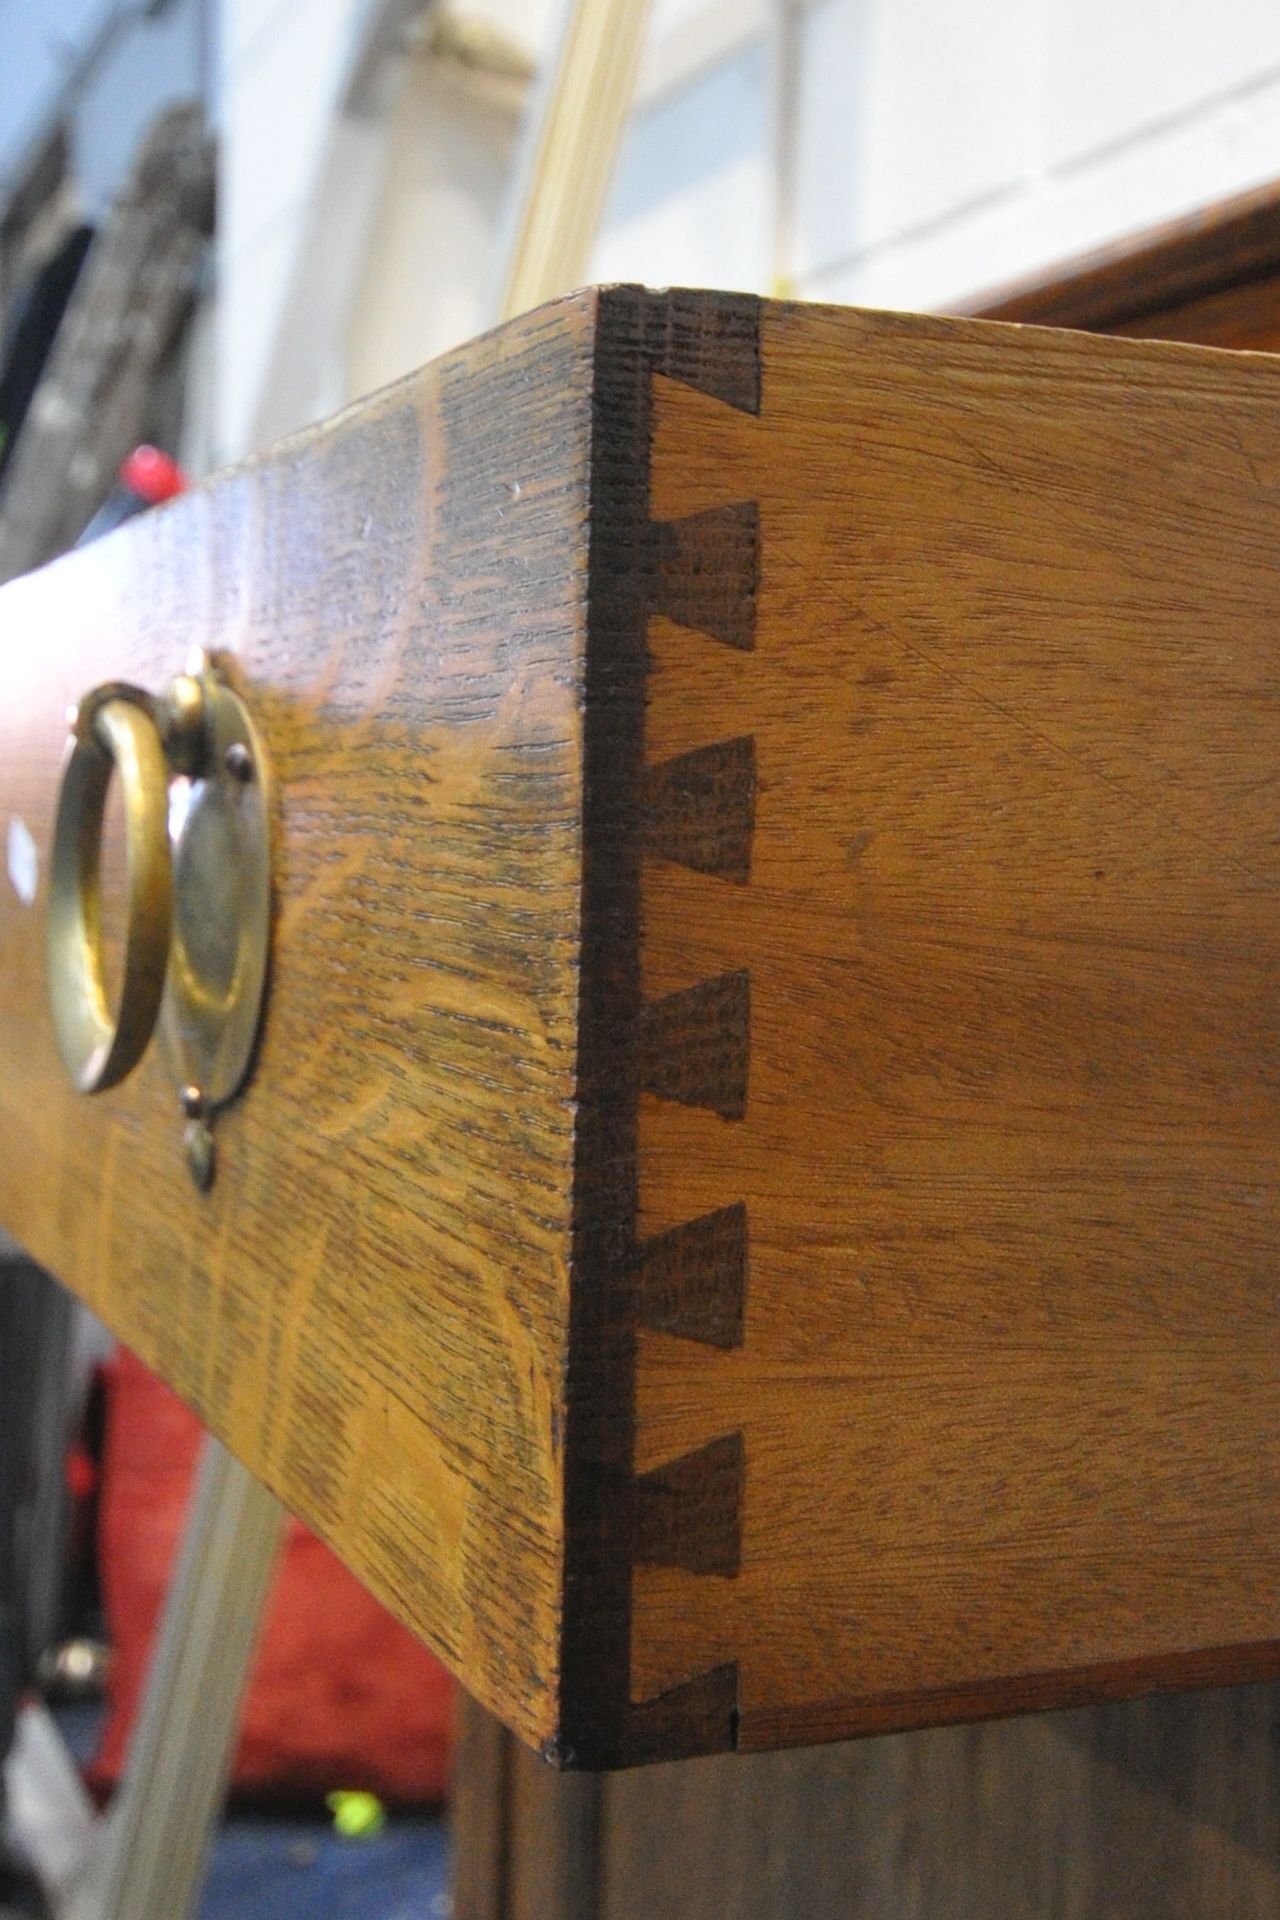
183, 721
198, 1142
191, 1100
239, 761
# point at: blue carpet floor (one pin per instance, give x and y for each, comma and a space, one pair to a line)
300, 1869
275, 1869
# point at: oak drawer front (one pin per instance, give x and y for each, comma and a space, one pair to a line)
368, 1304
753, 1218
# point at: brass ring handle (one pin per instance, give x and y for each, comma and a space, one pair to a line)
116, 726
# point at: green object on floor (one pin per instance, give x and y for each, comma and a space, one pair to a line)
356, 1816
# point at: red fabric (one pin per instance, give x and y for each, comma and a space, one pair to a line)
341, 1695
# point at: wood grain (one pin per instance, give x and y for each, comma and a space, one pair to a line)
709, 345
706, 572
1006, 1145
1128, 1811
754, 1218
689, 1510
479, 1825
695, 1045
699, 808
1125, 1812
525, 1839
370, 1307
693, 1279
1132, 1811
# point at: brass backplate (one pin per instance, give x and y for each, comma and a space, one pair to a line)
219, 830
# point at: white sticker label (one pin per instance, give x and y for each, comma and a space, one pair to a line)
24, 861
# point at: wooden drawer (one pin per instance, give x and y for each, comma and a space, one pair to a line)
754, 1218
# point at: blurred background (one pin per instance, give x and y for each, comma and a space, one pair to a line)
221, 220
906, 153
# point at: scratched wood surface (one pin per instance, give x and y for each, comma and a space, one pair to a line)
975, 990
753, 1222
369, 1306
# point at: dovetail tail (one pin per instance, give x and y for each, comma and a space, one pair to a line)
689, 1510
706, 572
693, 1279
700, 808
697, 1716
716, 350
695, 1044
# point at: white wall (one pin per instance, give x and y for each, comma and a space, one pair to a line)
427, 271
931, 148
892, 152
282, 67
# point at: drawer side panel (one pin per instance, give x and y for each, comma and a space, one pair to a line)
1001, 1125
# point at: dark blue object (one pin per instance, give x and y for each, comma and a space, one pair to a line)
276, 1869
